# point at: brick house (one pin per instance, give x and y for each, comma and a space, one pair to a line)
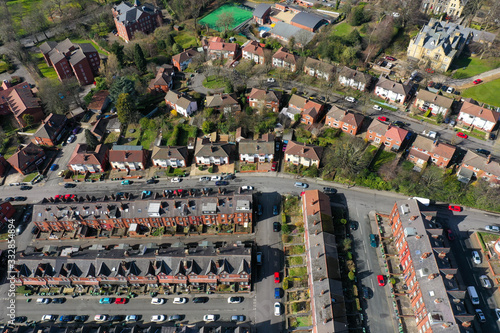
165, 156
18, 101
253, 51
100, 101
392, 91
424, 149
348, 121
223, 103
138, 17
219, 50
85, 160
182, 103
392, 137
307, 21
6, 212
438, 104
260, 98
182, 60
49, 132
319, 69
310, 110
478, 117
475, 165
283, 59
303, 154
354, 79
261, 13
164, 79
127, 157
254, 151
70, 59
27, 159
209, 153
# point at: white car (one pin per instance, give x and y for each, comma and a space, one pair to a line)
216, 178
493, 228
180, 300
175, 180
157, 300
497, 312
485, 282
450, 90
101, 318
157, 318
350, 99
377, 107
271, 80
71, 138
234, 300
43, 300
204, 179
49, 317
277, 309
209, 317
246, 187
430, 134
131, 318
476, 258
395, 14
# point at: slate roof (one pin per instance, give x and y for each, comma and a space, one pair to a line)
98, 100
288, 31
220, 100
259, 147
76, 57
185, 55
121, 153
47, 47
353, 119
442, 149
308, 20
99, 128
358, 76
434, 98
178, 99
261, 9
50, 126
393, 86
480, 112
26, 155
481, 163
318, 65
218, 149
304, 150
168, 152
128, 13
81, 155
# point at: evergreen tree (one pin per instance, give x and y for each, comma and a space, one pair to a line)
117, 49
139, 59
91, 139
125, 109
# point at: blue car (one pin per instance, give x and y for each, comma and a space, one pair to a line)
53, 167
277, 293
221, 183
65, 319
275, 210
105, 300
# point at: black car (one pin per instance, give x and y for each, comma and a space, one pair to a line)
276, 226
151, 181
25, 187
117, 318
20, 319
34, 231
80, 319
259, 209
58, 300
69, 185
353, 225
329, 190
200, 299
398, 123
483, 151
9, 199
229, 177
20, 199
221, 183
367, 294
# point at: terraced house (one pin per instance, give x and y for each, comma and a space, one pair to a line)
177, 268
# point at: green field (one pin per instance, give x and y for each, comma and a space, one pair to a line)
470, 66
186, 39
485, 92
342, 29
46, 71
214, 82
240, 15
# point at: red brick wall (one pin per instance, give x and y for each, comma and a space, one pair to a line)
63, 70
83, 72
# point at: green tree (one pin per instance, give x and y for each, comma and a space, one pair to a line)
125, 109
117, 49
28, 119
91, 139
207, 127
358, 16
296, 117
121, 85
176, 48
229, 87
351, 276
139, 59
349, 55
439, 118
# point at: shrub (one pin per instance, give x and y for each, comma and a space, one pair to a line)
285, 228
285, 283
351, 275
201, 167
211, 170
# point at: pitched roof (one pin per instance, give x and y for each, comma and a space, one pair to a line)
434, 98
253, 47
318, 65
168, 152
304, 103
77, 56
288, 31
261, 9
47, 46
185, 55
421, 155
434, 146
19, 98
163, 77
219, 149
262, 94
308, 20
481, 163
25, 156
99, 128
120, 153
81, 155
378, 127
256, 147
129, 14
222, 46
393, 86
396, 133
336, 113
221, 100
304, 150
98, 100
50, 126
353, 119
480, 112
178, 98
284, 55
356, 75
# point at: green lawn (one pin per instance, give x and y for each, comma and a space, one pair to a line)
147, 138
342, 29
485, 92
470, 66
304, 321
30, 177
46, 71
112, 137
132, 138
97, 47
214, 82
186, 39
3, 66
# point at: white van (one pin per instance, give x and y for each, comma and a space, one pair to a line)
473, 295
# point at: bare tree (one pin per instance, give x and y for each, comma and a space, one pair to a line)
302, 38
379, 37
225, 21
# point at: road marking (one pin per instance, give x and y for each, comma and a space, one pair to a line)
373, 285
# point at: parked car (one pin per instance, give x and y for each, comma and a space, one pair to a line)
20, 198
329, 190
271, 80
277, 293
43, 300
353, 225
234, 300
200, 300
275, 210
377, 107
246, 187
450, 90
382, 118
106, 300
71, 138
381, 280
493, 228
65, 318
389, 57
238, 318
462, 135
121, 301
54, 167
258, 258
221, 183
373, 240
450, 235
398, 123
126, 182
476, 258
101, 318
485, 281
276, 277
478, 81
497, 312
151, 181
209, 317
131, 318
156, 300
480, 315
483, 151
176, 180
58, 300
274, 166
455, 208
69, 185
49, 317
277, 309
259, 209
81, 319
20, 319
276, 226
299, 184
180, 300
350, 99
216, 178
174, 318
157, 318
366, 293
204, 179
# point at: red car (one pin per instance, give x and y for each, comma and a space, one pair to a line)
462, 135
450, 235
381, 280
121, 301
390, 58
455, 208
274, 166
58, 196
382, 118
478, 81
430, 84
276, 277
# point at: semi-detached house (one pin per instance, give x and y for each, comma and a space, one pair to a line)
392, 91
348, 121
262, 99
27, 159
131, 158
218, 50
310, 110
208, 153
254, 51
284, 59
437, 104
181, 103
478, 117
303, 154
254, 151
479, 167
425, 149
319, 69
392, 137
167, 156
50, 131
354, 79
85, 160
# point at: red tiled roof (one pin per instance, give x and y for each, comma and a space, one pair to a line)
480, 112
396, 133
98, 100
81, 155
301, 149
282, 54
254, 48
221, 46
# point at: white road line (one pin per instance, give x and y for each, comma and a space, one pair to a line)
373, 285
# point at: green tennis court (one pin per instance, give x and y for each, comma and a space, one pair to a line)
240, 15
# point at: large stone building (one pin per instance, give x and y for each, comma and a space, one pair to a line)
138, 17
452, 8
